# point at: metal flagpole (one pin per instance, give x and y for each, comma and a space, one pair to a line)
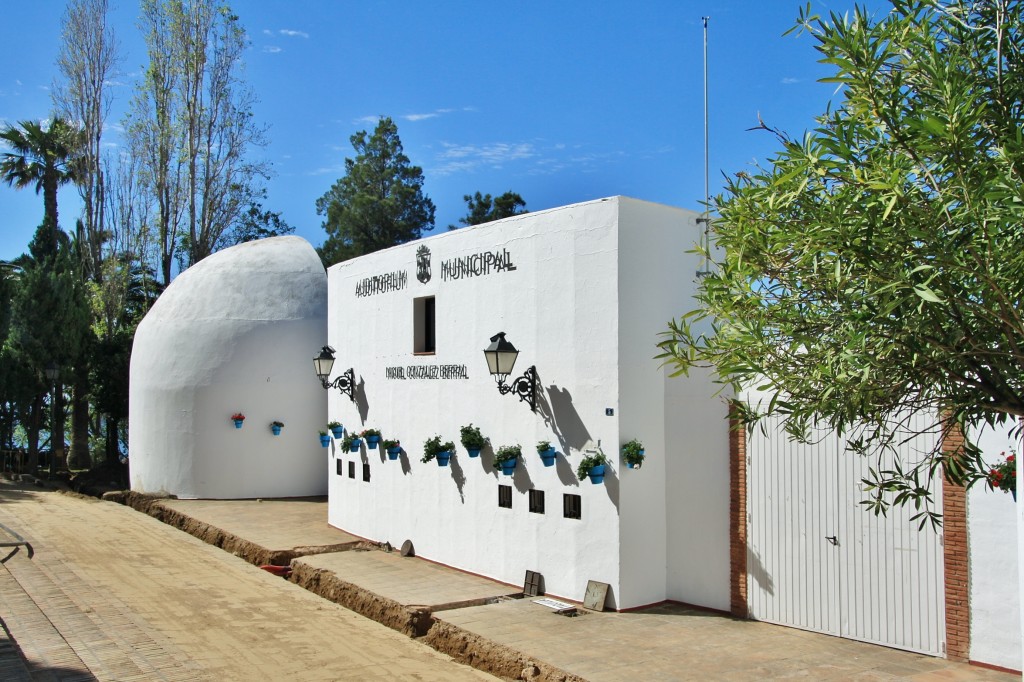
706, 241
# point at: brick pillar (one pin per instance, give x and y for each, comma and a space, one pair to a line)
737, 517
955, 558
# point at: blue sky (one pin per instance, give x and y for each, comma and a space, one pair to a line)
559, 101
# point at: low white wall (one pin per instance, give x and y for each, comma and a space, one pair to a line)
994, 563
234, 333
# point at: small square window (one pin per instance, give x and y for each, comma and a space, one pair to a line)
505, 496
424, 326
537, 501
366, 473
351, 469
572, 506
340, 467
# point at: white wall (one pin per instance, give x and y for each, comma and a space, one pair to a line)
234, 333
674, 527
560, 307
994, 563
697, 484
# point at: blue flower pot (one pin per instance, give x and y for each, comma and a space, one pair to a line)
355, 445
597, 474
443, 458
238, 423
276, 430
325, 441
473, 452
338, 431
508, 467
548, 456
372, 441
393, 453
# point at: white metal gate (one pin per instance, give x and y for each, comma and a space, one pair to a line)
820, 561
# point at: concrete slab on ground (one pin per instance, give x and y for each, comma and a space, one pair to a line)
671, 642
274, 524
409, 581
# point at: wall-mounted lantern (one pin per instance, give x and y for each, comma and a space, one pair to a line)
501, 358
323, 364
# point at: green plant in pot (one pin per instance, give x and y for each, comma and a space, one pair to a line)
593, 465
393, 448
372, 437
325, 440
433, 448
276, 426
546, 452
472, 439
506, 458
350, 443
633, 454
336, 428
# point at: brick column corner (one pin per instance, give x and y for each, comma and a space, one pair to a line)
955, 557
737, 517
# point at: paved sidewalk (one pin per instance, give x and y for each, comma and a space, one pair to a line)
112, 594
662, 643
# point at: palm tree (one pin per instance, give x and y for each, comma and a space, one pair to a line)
41, 156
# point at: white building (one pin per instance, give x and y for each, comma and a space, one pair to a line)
229, 336
748, 524
583, 292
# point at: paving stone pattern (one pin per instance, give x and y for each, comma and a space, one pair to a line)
138, 599
112, 594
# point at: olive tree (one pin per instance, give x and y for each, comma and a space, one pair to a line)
874, 269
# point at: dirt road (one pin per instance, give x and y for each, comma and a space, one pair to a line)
116, 595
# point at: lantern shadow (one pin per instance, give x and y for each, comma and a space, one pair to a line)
362, 404
559, 414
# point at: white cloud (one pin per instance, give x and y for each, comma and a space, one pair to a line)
433, 114
790, 81
271, 49
293, 34
267, 32
17, 82
461, 158
338, 169
366, 120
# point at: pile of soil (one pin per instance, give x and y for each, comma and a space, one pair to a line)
103, 478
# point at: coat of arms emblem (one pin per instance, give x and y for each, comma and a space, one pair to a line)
423, 264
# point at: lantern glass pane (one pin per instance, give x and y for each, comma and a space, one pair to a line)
492, 361
323, 366
506, 361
